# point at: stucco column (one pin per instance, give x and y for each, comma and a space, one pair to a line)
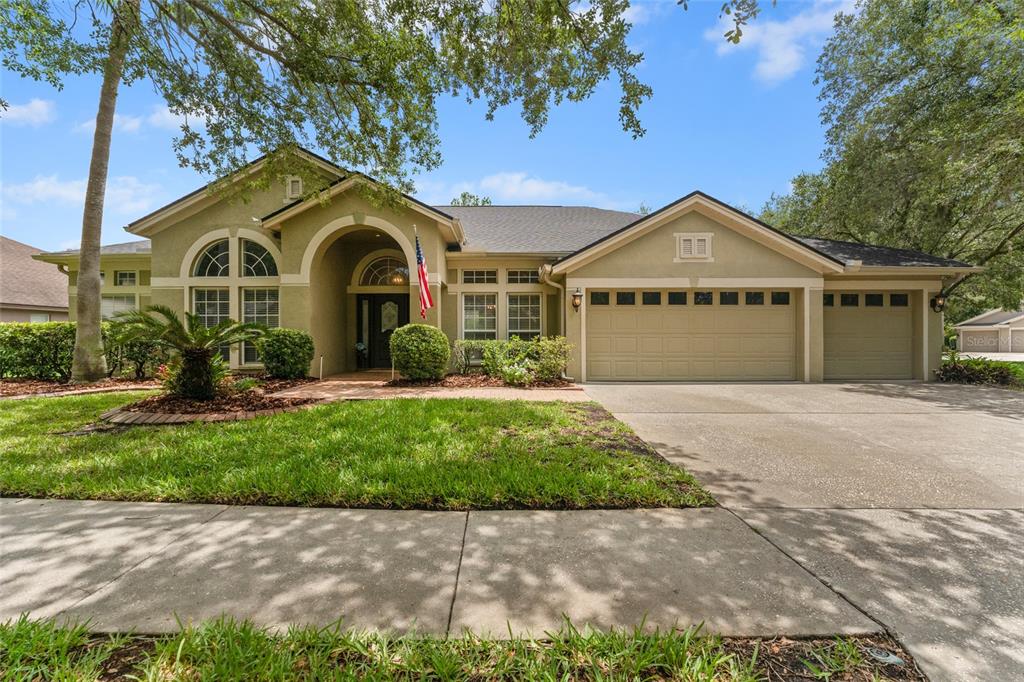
575, 324
814, 355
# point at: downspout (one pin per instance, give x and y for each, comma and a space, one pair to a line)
545, 277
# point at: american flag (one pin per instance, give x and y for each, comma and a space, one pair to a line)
426, 300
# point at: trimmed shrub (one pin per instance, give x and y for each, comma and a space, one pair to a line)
37, 350
956, 369
516, 361
286, 353
420, 351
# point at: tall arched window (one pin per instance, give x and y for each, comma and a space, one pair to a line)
387, 271
213, 261
257, 261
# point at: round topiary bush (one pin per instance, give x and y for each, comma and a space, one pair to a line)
286, 353
420, 351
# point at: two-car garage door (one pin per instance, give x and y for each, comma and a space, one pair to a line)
690, 335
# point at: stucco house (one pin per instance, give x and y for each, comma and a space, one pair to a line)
696, 290
994, 331
30, 291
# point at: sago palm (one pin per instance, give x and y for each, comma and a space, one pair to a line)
195, 344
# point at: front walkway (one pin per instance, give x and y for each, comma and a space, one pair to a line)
136, 566
370, 385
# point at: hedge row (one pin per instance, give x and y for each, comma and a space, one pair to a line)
34, 350
517, 361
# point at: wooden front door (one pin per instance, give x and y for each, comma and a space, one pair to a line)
379, 316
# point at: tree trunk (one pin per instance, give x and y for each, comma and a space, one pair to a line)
89, 364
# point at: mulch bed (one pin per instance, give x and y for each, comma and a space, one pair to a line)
474, 380
241, 401
782, 659
21, 387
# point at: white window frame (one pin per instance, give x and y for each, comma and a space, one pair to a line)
690, 244
522, 276
462, 313
225, 351
133, 273
110, 297
38, 318
480, 276
525, 334
248, 318
292, 188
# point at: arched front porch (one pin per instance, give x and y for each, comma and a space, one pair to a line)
359, 292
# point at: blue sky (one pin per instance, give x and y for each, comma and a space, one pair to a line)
737, 122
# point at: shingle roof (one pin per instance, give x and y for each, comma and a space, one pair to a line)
28, 282
140, 247
994, 317
535, 229
871, 255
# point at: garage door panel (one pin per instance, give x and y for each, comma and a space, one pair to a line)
868, 342
1017, 341
984, 341
697, 343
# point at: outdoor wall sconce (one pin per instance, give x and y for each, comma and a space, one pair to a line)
577, 299
939, 303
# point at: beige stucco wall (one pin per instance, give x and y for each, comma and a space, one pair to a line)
108, 266
653, 254
25, 314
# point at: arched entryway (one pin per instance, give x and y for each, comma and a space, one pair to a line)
359, 294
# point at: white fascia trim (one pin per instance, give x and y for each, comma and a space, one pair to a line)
882, 284
693, 282
656, 219
505, 255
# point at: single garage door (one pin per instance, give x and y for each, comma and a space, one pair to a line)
1017, 340
868, 335
712, 335
980, 340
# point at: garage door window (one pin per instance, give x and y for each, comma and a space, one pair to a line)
703, 298
849, 300
729, 298
625, 298
754, 298
480, 317
780, 298
873, 300
651, 298
828, 300
899, 300
677, 298
599, 298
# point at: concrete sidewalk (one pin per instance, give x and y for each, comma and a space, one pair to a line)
132, 566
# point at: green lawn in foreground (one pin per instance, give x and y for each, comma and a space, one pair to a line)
427, 454
229, 650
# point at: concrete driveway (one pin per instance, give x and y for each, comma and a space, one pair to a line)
907, 499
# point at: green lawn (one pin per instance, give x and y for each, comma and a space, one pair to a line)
227, 650
403, 454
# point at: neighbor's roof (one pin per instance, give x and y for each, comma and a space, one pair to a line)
141, 247
535, 229
28, 282
993, 317
867, 254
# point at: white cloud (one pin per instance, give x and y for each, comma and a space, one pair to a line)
35, 113
515, 188
125, 194
122, 124
161, 117
781, 45
522, 188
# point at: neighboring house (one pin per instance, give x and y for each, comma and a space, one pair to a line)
696, 290
995, 331
30, 291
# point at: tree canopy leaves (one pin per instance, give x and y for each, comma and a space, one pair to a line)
924, 106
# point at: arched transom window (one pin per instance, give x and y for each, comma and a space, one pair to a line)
257, 261
387, 271
213, 261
